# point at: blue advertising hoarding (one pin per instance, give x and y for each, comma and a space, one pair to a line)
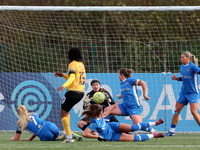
38, 91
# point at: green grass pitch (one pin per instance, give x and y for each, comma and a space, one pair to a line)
180, 141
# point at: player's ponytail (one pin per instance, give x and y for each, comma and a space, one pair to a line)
126, 72
194, 60
23, 117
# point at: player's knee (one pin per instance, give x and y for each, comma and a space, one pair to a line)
177, 111
194, 112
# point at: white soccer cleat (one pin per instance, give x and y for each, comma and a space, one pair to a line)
68, 141
61, 137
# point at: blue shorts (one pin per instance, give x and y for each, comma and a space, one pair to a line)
50, 132
116, 134
130, 110
188, 98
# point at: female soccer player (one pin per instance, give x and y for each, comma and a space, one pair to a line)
82, 124
189, 91
89, 100
131, 104
46, 131
75, 88
114, 131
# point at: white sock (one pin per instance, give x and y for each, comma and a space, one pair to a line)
69, 136
152, 124
172, 130
150, 136
64, 132
153, 130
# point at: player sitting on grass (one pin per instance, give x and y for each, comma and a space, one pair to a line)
114, 131
45, 130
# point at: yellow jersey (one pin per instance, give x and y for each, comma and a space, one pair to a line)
78, 69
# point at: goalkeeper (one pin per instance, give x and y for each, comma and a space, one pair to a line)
82, 124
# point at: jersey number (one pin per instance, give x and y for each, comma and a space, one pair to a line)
33, 118
82, 78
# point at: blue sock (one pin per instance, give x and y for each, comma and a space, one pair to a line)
144, 126
149, 129
141, 137
135, 127
140, 126
173, 126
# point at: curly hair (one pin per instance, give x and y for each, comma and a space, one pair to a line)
74, 54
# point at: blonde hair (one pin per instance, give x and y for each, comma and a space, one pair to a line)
191, 56
23, 117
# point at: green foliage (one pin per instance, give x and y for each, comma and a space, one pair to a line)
144, 41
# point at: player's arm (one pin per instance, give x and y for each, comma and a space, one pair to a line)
108, 97
16, 137
111, 108
60, 74
89, 134
145, 89
176, 78
30, 139
86, 101
69, 81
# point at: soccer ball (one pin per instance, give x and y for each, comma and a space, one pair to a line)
98, 97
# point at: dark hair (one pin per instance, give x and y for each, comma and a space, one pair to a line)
95, 81
92, 111
74, 54
126, 72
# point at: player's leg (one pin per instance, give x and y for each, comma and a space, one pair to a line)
193, 109
139, 126
71, 99
175, 119
50, 132
116, 111
54, 130
137, 118
139, 137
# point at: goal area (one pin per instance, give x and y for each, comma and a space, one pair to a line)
34, 44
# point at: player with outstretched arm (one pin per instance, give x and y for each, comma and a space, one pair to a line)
114, 131
131, 104
75, 85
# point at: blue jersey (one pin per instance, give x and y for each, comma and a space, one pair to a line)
128, 90
35, 125
189, 78
104, 129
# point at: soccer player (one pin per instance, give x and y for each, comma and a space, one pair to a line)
131, 104
189, 91
89, 100
82, 124
75, 85
114, 131
45, 130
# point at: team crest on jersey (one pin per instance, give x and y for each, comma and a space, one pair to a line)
188, 70
126, 82
91, 125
